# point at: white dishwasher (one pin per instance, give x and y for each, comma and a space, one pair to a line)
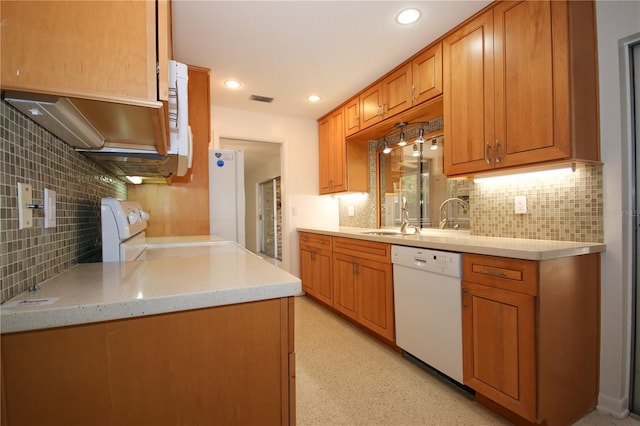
428, 306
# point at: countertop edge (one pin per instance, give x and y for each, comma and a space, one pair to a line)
20, 321
465, 243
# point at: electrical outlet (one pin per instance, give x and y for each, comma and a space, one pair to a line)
521, 204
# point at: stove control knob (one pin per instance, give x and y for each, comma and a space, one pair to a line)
144, 215
132, 217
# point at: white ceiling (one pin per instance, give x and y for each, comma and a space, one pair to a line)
291, 49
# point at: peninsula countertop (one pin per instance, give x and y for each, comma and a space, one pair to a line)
461, 241
169, 279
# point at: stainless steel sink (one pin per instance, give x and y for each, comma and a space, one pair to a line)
381, 233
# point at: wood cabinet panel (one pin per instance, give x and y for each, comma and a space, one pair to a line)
316, 266
427, 74
375, 297
509, 94
532, 355
332, 153
468, 96
190, 193
397, 96
352, 116
498, 335
114, 59
344, 282
371, 106
141, 370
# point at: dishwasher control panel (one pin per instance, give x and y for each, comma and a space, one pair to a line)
442, 262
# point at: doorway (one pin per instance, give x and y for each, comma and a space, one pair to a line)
262, 162
270, 217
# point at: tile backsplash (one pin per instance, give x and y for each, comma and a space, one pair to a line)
34, 156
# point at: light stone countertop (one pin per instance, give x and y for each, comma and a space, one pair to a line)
462, 242
170, 279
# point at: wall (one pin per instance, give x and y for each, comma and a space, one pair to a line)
30, 154
616, 21
301, 204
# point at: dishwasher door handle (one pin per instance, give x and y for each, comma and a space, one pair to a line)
419, 262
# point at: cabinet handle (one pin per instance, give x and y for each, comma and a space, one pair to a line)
330, 183
313, 255
173, 116
413, 93
355, 268
487, 155
497, 151
493, 273
381, 110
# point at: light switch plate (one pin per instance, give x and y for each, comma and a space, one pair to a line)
49, 208
350, 211
521, 204
25, 214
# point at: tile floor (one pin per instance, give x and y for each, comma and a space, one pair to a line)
345, 377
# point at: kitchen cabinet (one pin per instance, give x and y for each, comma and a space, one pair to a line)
91, 50
342, 166
232, 364
333, 151
315, 266
352, 116
363, 284
390, 96
531, 335
360, 279
427, 74
520, 87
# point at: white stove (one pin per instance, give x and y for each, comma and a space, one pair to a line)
123, 226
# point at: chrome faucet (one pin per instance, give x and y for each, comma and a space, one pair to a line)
405, 225
443, 217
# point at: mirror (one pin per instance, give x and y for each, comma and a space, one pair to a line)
412, 176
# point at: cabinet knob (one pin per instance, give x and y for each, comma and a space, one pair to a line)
497, 151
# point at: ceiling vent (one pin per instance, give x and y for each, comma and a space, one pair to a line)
259, 98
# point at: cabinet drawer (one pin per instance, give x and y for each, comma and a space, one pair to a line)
501, 272
310, 240
363, 249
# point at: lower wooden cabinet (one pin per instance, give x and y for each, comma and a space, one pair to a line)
360, 284
531, 335
316, 266
225, 365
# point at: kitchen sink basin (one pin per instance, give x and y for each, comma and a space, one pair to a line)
382, 233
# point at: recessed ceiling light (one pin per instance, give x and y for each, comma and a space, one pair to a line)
232, 84
408, 16
313, 98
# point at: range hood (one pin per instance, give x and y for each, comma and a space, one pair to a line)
127, 140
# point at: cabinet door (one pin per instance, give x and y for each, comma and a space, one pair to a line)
371, 108
306, 270
427, 74
469, 97
498, 329
375, 296
332, 153
526, 115
344, 294
103, 50
396, 95
322, 280
352, 116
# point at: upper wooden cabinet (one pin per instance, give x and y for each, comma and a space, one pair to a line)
343, 167
427, 74
100, 50
352, 116
520, 87
332, 150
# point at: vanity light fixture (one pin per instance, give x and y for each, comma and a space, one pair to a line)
434, 144
421, 136
416, 151
408, 16
232, 84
